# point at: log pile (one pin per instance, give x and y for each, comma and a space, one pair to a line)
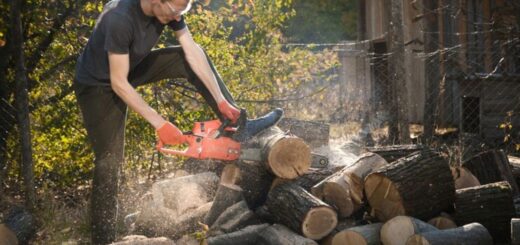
387, 195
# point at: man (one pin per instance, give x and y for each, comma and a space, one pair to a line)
117, 58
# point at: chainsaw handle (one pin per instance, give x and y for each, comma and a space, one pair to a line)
188, 152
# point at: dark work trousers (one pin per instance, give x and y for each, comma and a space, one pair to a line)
104, 115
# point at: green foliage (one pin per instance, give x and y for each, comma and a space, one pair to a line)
243, 38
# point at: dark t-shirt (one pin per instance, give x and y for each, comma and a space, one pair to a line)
122, 28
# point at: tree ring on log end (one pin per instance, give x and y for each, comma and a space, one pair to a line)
383, 197
399, 229
348, 237
289, 158
319, 222
417, 240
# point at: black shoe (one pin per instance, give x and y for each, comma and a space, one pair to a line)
249, 128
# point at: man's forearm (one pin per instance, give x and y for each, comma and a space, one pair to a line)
128, 94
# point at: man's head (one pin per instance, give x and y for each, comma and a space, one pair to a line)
168, 10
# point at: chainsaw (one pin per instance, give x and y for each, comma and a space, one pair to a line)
219, 140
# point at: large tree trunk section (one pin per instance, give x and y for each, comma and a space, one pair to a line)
397, 230
515, 231
344, 189
359, 235
514, 163
490, 205
234, 218
394, 152
280, 235
443, 222
286, 156
419, 185
492, 166
315, 134
473, 233
308, 179
226, 196
463, 178
294, 207
248, 235
252, 177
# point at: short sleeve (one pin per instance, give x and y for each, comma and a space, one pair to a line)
118, 33
177, 25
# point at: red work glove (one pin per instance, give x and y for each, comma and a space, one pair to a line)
170, 135
229, 111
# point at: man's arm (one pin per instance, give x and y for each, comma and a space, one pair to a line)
119, 69
200, 65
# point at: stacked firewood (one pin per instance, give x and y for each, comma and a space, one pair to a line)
302, 194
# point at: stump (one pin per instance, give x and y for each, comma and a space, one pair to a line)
252, 177
344, 189
397, 230
285, 156
473, 233
492, 166
294, 207
419, 185
359, 235
490, 205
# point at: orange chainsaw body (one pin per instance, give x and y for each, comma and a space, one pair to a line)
206, 142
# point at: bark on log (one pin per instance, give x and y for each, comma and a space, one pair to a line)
308, 179
397, 230
443, 222
492, 166
285, 156
142, 240
234, 218
514, 163
248, 235
359, 235
294, 207
315, 134
280, 235
490, 205
473, 233
394, 152
419, 185
515, 231
463, 178
252, 177
226, 196
342, 225
344, 189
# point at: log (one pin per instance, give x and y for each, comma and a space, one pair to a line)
342, 225
227, 195
344, 189
514, 163
490, 205
337, 157
359, 235
473, 233
252, 177
492, 166
248, 235
292, 206
314, 133
463, 178
515, 231
443, 222
142, 240
277, 234
310, 178
233, 218
394, 152
397, 230
419, 185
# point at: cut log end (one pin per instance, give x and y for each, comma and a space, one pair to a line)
383, 197
338, 196
319, 222
289, 158
348, 237
398, 230
442, 223
417, 240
